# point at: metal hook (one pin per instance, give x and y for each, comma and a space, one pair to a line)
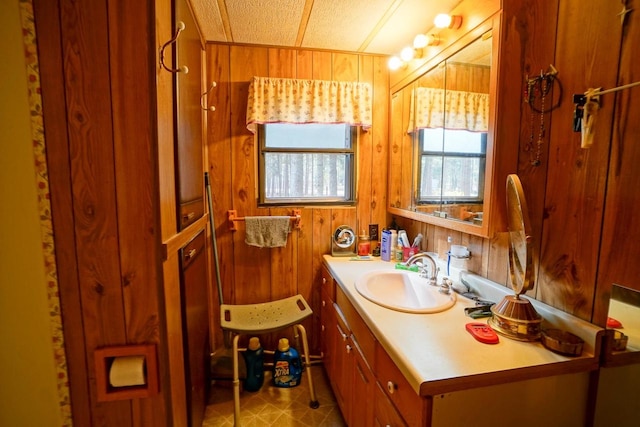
202, 103
183, 69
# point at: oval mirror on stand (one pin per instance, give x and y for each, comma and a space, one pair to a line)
514, 316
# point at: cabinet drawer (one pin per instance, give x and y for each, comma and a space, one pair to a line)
359, 329
190, 212
326, 283
414, 408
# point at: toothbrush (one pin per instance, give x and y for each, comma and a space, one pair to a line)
417, 240
402, 237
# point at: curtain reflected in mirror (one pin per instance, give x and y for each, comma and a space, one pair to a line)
440, 125
624, 318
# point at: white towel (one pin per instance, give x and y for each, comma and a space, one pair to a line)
267, 231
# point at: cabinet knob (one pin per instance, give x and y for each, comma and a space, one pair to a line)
324, 303
190, 254
322, 328
391, 387
324, 280
348, 348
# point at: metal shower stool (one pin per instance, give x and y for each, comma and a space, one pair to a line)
261, 319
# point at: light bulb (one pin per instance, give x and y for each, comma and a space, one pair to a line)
420, 41
394, 63
442, 20
407, 54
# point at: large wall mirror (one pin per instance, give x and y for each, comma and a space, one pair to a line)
441, 141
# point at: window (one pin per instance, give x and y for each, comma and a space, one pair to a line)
306, 163
452, 164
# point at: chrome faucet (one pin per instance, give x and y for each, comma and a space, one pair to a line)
413, 259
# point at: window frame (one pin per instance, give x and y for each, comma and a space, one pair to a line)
440, 199
351, 134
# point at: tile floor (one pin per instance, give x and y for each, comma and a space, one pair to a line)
273, 406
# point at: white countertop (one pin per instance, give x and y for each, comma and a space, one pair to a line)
437, 355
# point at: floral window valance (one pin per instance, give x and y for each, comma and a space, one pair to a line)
451, 109
275, 100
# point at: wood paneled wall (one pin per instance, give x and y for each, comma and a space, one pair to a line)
250, 274
98, 94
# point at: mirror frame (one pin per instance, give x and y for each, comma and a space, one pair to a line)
484, 230
520, 240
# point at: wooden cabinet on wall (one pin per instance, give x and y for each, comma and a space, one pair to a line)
188, 118
186, 281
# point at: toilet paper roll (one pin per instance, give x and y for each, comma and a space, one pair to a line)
127, 371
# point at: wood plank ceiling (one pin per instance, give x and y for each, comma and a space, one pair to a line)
367, 26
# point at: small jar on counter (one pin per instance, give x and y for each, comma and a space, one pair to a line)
364, 244
398, 253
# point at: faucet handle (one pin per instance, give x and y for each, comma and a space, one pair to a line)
445, 286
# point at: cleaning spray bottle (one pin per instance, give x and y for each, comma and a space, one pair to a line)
287, 368
254, 358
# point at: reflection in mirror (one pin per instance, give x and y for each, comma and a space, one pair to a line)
624, 318
450, 128
444, 116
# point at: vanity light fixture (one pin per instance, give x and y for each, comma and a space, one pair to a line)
421, 41
444, 20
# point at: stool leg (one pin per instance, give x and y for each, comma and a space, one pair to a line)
236, 382
307, 361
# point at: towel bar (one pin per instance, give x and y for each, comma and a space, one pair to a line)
232, 217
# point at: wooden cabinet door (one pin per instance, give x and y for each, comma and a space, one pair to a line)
385, 414
188, 120
341, 378
415, 409
195, 321
362, 393
327, 342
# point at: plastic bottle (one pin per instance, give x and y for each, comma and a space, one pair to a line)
398, 253
254, 359
287, 368
394, 240
385, 246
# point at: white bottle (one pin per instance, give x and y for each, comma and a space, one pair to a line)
385, 246
394, 240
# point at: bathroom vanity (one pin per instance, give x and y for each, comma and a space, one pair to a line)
388, 367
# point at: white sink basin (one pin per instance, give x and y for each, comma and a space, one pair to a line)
403, 291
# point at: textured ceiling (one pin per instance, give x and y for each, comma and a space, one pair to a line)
371, 26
